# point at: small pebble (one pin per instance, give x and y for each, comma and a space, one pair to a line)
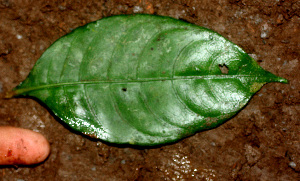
264, 34
292, 164
19, 37
123, 162
137, 9
60, 7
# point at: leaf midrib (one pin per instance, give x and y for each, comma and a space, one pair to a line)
208, 77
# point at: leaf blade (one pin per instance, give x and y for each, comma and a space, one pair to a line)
144, 79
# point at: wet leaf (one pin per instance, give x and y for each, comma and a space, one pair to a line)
144, 79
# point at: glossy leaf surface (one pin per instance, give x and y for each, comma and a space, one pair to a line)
144, 79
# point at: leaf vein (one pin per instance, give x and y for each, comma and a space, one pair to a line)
149, 40
153, 112
179, 98
46, 86
65, 60
81, 63
90, 108
117, 110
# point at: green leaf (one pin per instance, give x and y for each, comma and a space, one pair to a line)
144, 79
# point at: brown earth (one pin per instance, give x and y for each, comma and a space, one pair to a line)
260, 143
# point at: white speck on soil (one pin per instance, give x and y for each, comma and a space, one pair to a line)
137, 9
42, 47
292, 164
265, 28
19, 37
257, 19
264, 34
60, 7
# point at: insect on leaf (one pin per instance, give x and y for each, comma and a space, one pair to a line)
144, 79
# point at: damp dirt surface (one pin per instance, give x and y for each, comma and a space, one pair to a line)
260, 143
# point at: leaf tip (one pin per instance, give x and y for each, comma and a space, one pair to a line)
282, 80
274, 78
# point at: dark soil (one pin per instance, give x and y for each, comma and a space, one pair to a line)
260, 143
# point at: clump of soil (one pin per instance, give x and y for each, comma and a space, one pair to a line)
260, 143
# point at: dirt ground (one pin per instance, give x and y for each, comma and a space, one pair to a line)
260, 143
